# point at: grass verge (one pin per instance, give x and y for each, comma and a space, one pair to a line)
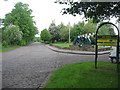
63, 44
84, 75
8, 48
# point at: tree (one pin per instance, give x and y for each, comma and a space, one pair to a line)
21, 16
82, 28
54, 31
106, 30
37, 39
76, 30
11, 35
45, 35
64, 32
89, 27
0, 35
95, 10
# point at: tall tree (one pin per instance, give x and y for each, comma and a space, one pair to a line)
81, 28
54, 31
45, 35
106, 30
89, 27
64, 32
95, 10
77, 29
21, 16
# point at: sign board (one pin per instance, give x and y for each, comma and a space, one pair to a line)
107, 40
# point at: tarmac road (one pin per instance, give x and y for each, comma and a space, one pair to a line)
30, 66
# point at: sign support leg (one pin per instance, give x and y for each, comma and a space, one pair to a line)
96, 56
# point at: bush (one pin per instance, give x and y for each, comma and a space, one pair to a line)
23, 42
45, 35
37, 39
4, 43
11, 35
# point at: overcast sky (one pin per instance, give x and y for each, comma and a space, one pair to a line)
45, 11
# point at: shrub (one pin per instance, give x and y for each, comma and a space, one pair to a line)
45, 35
11, 35
23, 42
4, 43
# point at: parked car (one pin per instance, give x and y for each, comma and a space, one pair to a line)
112, 55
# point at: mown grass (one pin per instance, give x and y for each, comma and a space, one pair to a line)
8, 48
84, 75
63, 44
102, 47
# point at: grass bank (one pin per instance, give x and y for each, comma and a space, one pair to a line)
8, 48
84, 75
63, 44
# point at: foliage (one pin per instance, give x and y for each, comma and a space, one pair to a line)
21, 16
11, 35
90, 27
77, 29
64, 32
0, 35
106, 30
45, 35
37, 39
54, 31
82, 28
95, 10
84, 75
61, 32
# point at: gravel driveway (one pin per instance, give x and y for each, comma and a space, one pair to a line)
30, 66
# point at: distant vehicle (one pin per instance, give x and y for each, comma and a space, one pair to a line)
112, 55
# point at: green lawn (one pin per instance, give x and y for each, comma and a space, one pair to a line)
84, 75
8, 48
63, 44
100, 47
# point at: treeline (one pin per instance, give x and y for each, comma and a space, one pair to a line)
18, 26
60, 33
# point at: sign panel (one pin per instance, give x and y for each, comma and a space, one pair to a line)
107, 40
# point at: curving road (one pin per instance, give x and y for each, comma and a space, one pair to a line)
30, 66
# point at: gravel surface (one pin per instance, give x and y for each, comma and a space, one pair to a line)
30, 66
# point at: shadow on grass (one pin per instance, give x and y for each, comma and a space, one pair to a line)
84, 75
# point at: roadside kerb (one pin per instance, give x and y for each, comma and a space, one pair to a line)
76, 52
